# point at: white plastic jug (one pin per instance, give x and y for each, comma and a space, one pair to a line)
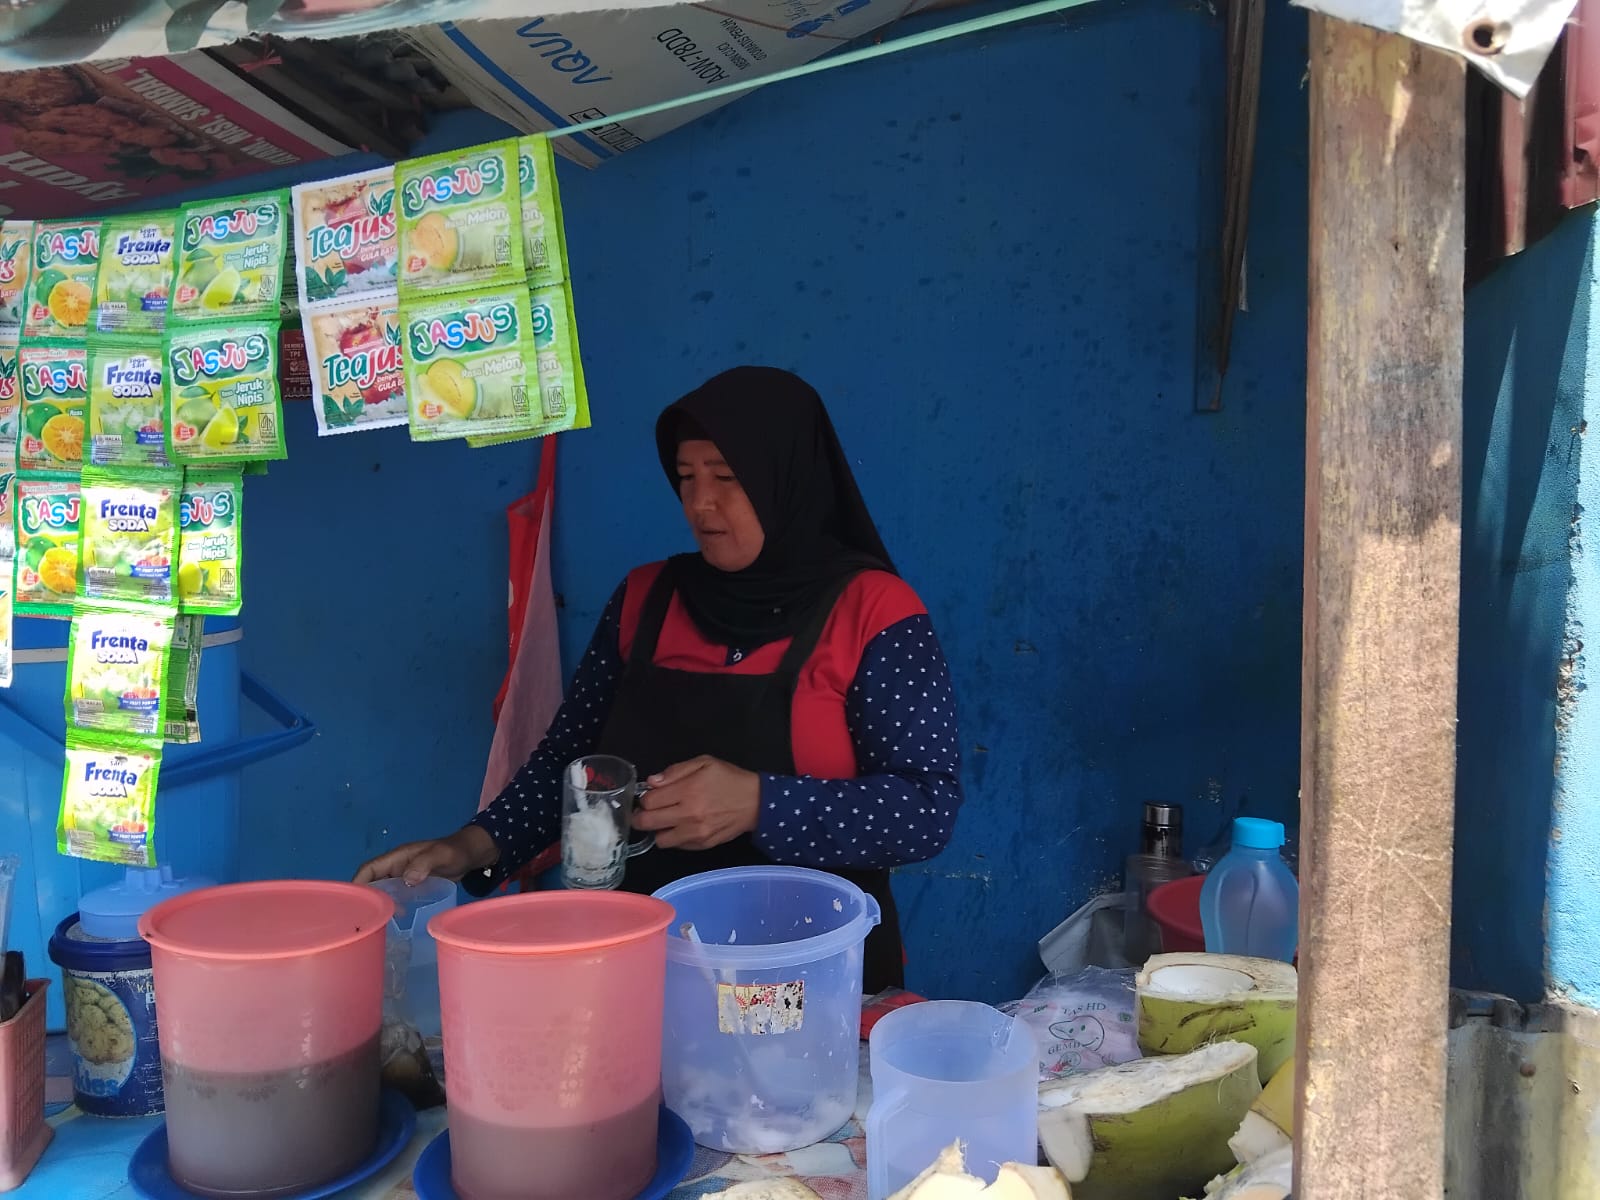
946, 1071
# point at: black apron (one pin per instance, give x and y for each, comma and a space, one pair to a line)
661, 716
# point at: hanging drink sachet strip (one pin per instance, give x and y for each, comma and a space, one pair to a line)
117, 662
469, 365
135, 274
460, 221
66, 257
55, 398
346, 243
210, 543
128, 536
16, 270
229, 262
108, 794
47, 545
223, 404
127, 397
182, 717
8, 550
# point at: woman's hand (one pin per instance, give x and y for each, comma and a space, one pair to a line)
464, 851
699, 804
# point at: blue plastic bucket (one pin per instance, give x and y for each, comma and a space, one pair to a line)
111, 1022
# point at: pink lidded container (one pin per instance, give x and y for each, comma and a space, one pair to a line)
552, 1006
270, 1004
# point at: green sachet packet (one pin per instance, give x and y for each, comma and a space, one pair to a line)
210, 544
182, 717
230, 259
460, 220
468, 365
108, 798
563, 395
135, 273
128, 537
66, 256
55, 396
47, 545
117, 661
16, 269
222, 398
126, 399
543, 238
10, 399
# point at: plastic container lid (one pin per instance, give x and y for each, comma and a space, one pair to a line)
534, 923
251, 922
425, 899
1254, 833
112, 913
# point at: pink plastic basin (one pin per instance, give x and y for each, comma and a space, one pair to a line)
552, 1043
270, 998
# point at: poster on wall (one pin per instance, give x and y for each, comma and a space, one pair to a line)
545, 72
78, 140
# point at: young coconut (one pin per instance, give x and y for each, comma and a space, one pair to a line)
1270, 1177
947, 1179
1269, 1125
1187, 1000
1150, 1129
767, 1189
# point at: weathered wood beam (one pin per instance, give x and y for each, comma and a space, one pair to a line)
1382, 579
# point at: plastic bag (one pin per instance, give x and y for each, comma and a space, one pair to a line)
1082, 1021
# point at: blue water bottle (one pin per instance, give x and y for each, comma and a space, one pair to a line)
1250, 902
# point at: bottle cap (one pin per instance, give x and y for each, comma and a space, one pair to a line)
1163, 814
1257, 834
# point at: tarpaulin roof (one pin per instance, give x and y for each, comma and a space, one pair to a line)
1507, 39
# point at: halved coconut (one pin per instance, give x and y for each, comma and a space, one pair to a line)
1269, 1125
1187, 1000
1269, 1177
947, 1179
1150, 1129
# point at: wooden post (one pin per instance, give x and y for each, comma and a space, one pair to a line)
1383, 559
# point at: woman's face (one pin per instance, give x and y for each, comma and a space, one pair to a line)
720, 515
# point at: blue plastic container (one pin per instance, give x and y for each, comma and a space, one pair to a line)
197, 813
950, 1071
1250, 902
111, 1007
761, 1047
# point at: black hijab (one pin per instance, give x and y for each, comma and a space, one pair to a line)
776, 437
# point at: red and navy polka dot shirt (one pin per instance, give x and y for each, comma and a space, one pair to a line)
873, 729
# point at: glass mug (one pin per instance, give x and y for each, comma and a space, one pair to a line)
599, 791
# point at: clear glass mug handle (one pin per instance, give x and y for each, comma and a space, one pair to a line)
648, 841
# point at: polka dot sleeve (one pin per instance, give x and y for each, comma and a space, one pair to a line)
525, 818
902, 808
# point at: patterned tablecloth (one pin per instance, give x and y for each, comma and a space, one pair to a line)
88, 1160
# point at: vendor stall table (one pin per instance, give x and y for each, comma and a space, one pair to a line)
88, 1160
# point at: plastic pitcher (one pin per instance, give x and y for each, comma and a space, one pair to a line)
947, 1071
411, 971
1250, 903
552, 1043
271, 1001
763, 1021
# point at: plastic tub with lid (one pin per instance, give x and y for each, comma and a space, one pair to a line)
271, 1002
552, 1043
110, 994
763, 1020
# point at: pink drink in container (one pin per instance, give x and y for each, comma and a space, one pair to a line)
552, 1043
270, 998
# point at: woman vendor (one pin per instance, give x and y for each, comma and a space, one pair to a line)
781, 691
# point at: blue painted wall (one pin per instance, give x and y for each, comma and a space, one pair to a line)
988, 257
1527, 894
